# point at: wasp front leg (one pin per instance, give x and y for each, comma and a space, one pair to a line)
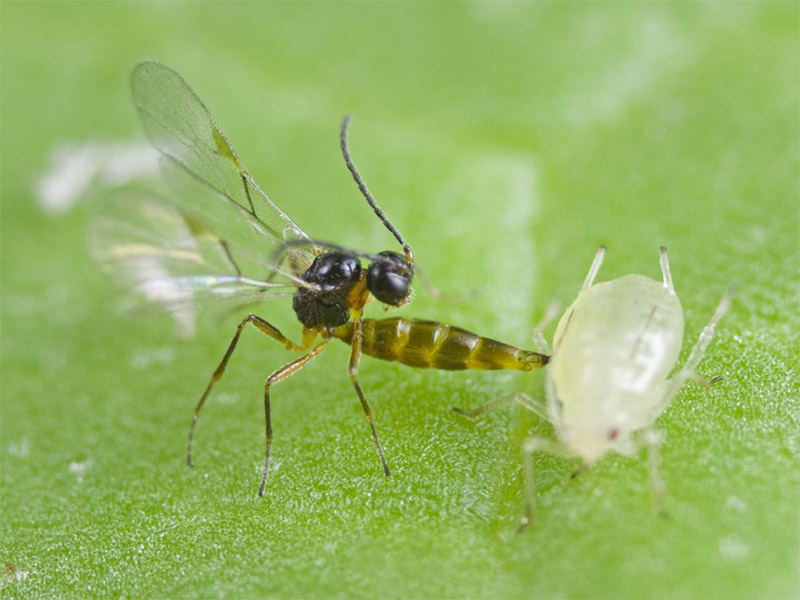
262, 326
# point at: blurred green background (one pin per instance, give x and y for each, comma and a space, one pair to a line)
506, 141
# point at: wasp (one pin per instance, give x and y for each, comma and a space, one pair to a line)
224, 241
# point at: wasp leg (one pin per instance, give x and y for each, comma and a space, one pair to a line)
278, 376
355, 357
262, 326
536, 407
695, 356
530, 446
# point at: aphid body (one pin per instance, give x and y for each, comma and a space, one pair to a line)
613, 350
608, 374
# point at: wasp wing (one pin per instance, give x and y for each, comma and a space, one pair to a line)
180, 127
173, 262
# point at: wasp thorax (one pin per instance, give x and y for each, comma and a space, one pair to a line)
334, 274
389, 279
333, 269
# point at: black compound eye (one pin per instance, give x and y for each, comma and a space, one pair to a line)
334, 268
389, 280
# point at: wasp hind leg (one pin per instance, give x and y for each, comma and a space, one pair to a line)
262, 326
355, 357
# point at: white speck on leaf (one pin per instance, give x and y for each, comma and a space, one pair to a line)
80, 468
75, 167
21, 449
733, 549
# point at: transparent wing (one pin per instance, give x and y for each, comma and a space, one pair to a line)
180, 126
170, 261
229, 222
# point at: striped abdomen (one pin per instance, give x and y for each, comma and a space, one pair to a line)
432, 345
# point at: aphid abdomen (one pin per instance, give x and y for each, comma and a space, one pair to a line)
618, 340
433, 345
613, 350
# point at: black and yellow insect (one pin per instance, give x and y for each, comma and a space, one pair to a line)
435, 345
225, 241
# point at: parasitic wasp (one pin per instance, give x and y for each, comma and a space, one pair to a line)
226, 242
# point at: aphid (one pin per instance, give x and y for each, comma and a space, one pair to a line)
227, 241
607, 379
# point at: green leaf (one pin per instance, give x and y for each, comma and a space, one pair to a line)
506, 141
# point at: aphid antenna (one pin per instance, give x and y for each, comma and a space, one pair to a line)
366, 193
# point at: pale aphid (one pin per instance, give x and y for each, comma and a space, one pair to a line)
607, 379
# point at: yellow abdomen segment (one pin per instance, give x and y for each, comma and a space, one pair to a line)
433, 345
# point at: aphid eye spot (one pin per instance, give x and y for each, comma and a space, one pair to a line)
613, 433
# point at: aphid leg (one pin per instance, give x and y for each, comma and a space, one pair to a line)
536, 407
598, 260
355, 357
695, 356
530, 446
582, 468
700, 380
278, 376
553, 406
699, 350
653, 439
539, 341
262, 326
665, 272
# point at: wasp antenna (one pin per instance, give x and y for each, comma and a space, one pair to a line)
366, 193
